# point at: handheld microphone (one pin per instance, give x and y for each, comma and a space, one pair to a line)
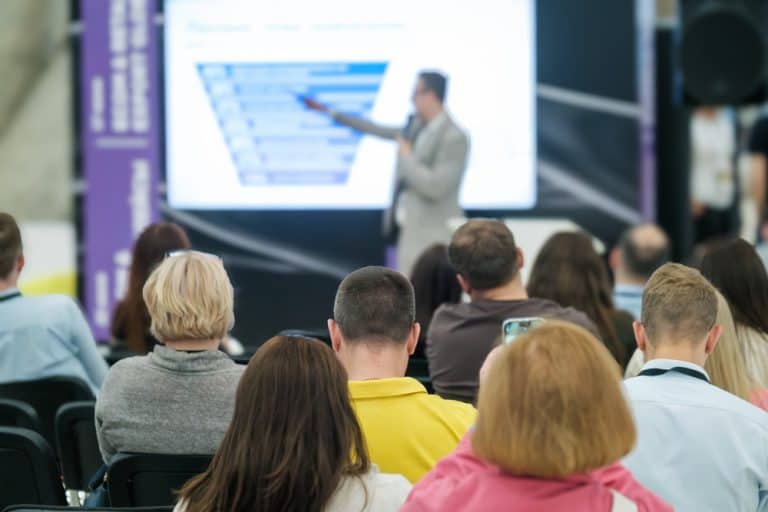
409, 129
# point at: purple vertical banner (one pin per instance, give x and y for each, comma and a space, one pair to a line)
645, 20
120, 138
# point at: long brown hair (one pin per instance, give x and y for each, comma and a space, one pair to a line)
293, 437
434, 284
735, 268
570, 272
130, 322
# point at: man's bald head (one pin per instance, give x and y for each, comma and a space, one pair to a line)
643, 249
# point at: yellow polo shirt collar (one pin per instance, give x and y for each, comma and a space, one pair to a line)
383, 388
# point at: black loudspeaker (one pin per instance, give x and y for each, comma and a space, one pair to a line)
723, 56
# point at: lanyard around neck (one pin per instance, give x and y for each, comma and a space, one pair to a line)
10, 296
653, 372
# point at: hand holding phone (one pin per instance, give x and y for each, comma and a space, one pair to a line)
511, 328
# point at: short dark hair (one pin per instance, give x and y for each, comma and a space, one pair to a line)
642, 260
435, 82
483, 251
375, 303
10, 244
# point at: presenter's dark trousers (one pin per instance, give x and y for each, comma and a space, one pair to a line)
714, 223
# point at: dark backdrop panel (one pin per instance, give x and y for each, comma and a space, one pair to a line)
591, 47
598, 148
588, 45
273, 293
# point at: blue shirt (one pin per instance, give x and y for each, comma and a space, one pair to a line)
629, 297
46, 337
699, 447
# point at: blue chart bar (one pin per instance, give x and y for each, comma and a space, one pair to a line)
272, 137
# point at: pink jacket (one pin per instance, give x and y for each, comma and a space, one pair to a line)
760, 398
461, 482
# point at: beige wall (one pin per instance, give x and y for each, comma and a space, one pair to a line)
35, 110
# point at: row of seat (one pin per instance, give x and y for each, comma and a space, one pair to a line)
42, 508
76, 444
44, 436
29, 474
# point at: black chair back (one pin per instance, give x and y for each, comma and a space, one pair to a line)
46, 396
318, 334
28, 472
37, 508
150, 480
78, 447
14, 413
418, 368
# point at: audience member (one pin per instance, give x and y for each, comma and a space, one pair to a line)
294, 442
640, 251
40, 336
179, 398
699, 447
488, 264
757, 177
373, 331
434, 283
726, 366
737, 271
546, 437
712, 172
568, 270
130, 322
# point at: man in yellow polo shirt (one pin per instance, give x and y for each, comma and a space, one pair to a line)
373, 333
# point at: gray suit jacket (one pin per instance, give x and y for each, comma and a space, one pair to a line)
431, 177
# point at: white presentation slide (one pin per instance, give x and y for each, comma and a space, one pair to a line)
238, 135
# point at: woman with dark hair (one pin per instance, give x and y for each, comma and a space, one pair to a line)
735, 269
569, 271
294, 442
130, 322
434, 283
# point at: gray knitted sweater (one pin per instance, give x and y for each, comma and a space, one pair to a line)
167, 402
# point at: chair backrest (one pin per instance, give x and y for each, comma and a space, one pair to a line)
40, 508
418, 368
14, 413
318, 334
149, 480
46, 396
78, 446
28, 472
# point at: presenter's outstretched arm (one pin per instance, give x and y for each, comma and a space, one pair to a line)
356, 123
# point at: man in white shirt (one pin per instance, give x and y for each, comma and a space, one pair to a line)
713, 145
699, 447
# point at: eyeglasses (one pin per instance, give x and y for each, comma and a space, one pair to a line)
182, 252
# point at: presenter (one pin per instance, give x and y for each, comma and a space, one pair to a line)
432, 158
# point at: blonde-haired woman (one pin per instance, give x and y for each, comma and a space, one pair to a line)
552, 425
726, 365
179, 398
